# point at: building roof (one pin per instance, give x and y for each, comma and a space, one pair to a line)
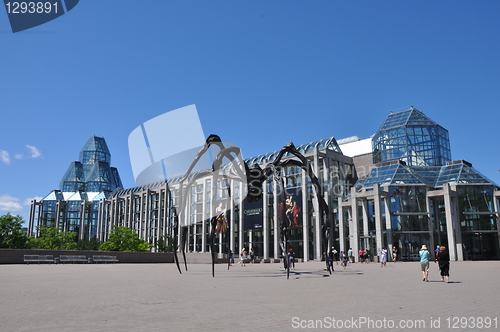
353, 148
398, 173
57, 195
327, 143
410, 116
348, 140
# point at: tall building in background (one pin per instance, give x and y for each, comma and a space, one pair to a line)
75, 206
92, 173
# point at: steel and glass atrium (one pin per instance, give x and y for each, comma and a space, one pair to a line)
92, 173
412, 137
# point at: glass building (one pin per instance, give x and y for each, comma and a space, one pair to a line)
148, 209
92, 172
412, 137
75, 206
400, 188
415, 195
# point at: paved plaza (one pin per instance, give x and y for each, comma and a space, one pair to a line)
257, 297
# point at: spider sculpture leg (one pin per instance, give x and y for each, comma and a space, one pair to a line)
184, 231
176, 233
323, 212
213, 223
217, 164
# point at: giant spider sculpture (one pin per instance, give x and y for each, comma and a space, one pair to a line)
254, 176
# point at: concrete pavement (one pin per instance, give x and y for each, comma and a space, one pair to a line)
258, 297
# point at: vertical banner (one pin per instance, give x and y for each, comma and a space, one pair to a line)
253, 214
221, 215
291, 208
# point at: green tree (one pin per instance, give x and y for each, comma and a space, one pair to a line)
51, 238
11, 232
124, 239
92, 244
165, 244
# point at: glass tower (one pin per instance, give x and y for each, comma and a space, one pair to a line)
412, 137
92, 172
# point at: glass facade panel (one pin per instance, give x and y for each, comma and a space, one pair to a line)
408, 199
480, 246
475, 198
413, 138
476, 204
409, 244
48, 213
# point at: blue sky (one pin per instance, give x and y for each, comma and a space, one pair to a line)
261, 73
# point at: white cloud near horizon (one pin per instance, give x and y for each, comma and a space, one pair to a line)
28, 200
5, 157
9, 203
35, 153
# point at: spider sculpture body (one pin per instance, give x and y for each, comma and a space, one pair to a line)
254, 176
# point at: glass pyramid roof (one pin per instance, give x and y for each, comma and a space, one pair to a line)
55, 195
92, 172
408, 117
461, 174
390, 175
457, 172
95, 150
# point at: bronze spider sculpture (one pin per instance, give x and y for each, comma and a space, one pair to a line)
254, 176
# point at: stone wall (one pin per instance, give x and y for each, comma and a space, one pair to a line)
16, 256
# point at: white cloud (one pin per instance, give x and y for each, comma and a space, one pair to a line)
9, 203
4, 156
28, 200
35, 153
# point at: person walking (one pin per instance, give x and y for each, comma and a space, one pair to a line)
252, 255
331, 258
424, 262
291, 259
344, 262
394, 254
444, 263
366, 255
361, 255
383, 257
243, 256
349, 254
335, 256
